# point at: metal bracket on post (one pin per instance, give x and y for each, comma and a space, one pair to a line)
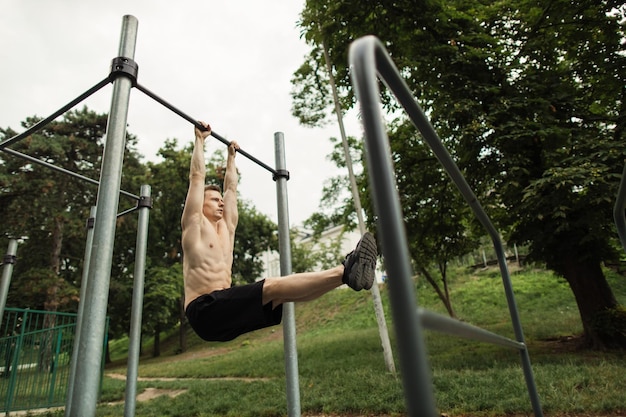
144, 201
280, 173
9, 259
124, 66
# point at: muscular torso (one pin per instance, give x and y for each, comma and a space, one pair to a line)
207, 258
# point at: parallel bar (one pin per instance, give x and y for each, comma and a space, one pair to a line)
37, 126
85, 393
199, 126
454, 327
415, 370
396, 84
134, 336
289, 320
369, 53
61, 170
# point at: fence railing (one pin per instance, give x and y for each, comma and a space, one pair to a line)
35, 352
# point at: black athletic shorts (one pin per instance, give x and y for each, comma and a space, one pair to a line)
225, 314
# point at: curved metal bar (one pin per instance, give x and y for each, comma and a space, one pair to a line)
369, 60
414, 366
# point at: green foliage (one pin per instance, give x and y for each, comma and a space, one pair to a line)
612, 324
313, 254
255, 234
47, 210
161, 301
528, 98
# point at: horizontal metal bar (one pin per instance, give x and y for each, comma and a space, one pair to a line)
449, 325
39, 125
197, 124
127, 211
61, 170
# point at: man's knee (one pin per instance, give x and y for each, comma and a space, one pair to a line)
270, 291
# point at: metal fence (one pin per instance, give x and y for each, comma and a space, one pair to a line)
35, 352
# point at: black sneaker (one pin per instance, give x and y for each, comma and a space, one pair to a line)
360, 264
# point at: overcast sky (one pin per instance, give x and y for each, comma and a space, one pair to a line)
226, 62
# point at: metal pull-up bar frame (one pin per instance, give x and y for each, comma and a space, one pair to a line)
81, 401
370, 61
124, 67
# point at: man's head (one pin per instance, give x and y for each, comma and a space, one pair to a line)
212, 187
213, 207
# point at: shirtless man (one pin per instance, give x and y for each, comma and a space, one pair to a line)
219, 312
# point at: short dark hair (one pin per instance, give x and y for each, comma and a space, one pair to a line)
213, 187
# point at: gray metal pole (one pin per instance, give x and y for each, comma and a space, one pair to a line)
7, 271
85, 395
415, 369
379, 311
81, 309
289, 320
134, 345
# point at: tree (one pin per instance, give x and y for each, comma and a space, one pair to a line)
436, 217
433, 210
47, 210
530, 100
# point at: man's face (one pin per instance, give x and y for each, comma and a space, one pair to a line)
213, 207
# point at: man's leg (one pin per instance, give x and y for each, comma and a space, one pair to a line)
358, 271
304, 286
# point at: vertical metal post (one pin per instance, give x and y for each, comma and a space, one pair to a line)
284, 245
15, 360
7, 271
379, 311
134, 345
81, 309
85, 394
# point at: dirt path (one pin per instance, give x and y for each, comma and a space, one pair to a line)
151, 393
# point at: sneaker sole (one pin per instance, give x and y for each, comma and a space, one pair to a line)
362, 274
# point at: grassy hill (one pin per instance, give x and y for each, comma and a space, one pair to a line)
342, 371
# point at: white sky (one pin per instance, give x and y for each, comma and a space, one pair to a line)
226, 62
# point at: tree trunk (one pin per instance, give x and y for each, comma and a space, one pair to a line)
156, 348
52, 302
107, 352
182, 329
444, 296
594, 298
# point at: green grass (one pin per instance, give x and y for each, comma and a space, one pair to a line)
342, 372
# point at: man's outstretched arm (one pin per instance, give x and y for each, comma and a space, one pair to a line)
192, 212
231, 179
